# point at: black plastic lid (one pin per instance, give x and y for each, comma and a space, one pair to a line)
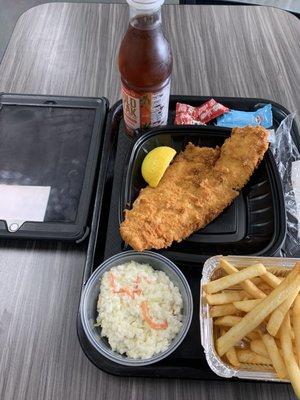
49, 152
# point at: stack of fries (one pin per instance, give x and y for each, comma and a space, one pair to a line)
256, 319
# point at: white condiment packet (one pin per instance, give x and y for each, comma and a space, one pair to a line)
271, 136
23, 203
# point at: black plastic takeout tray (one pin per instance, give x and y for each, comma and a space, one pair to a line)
253, 224
116, 187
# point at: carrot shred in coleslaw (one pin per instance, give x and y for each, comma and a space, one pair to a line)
150, 321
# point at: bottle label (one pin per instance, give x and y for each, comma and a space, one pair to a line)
147, 109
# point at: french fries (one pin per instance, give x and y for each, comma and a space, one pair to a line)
226, 281
264, 287
246, 305
258, 347
224, 298
231, 353
288, 354
271, 279
296, 326
232, 357
247, 285
257, 280
247, 356
256, 316
229, 320
278, 315
274, 355
253, 335
222, 310
253, 331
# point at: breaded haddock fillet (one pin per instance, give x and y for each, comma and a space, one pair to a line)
195, 189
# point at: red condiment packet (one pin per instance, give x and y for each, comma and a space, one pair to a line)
186, 119
189, 115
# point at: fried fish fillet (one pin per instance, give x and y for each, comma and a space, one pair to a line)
195, 189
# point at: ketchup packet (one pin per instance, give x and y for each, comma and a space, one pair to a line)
186, 119
189, 115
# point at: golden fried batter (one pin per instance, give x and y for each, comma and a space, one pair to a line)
195, 189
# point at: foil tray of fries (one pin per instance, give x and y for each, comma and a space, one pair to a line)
250, 317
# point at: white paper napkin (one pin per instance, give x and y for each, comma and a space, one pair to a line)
19, 204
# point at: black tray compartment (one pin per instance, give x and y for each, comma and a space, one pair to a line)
188, 361
254, 224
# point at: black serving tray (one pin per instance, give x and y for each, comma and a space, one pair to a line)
188, 361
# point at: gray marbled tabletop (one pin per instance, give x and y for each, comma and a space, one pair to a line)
63, 48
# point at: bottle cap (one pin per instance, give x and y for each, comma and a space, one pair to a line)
146, 4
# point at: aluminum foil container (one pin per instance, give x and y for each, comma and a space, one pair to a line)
276, 265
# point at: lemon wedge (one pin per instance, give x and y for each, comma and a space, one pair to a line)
155, 164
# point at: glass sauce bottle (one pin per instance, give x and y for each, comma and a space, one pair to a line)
145, 64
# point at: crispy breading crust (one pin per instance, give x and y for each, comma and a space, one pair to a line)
195, 189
